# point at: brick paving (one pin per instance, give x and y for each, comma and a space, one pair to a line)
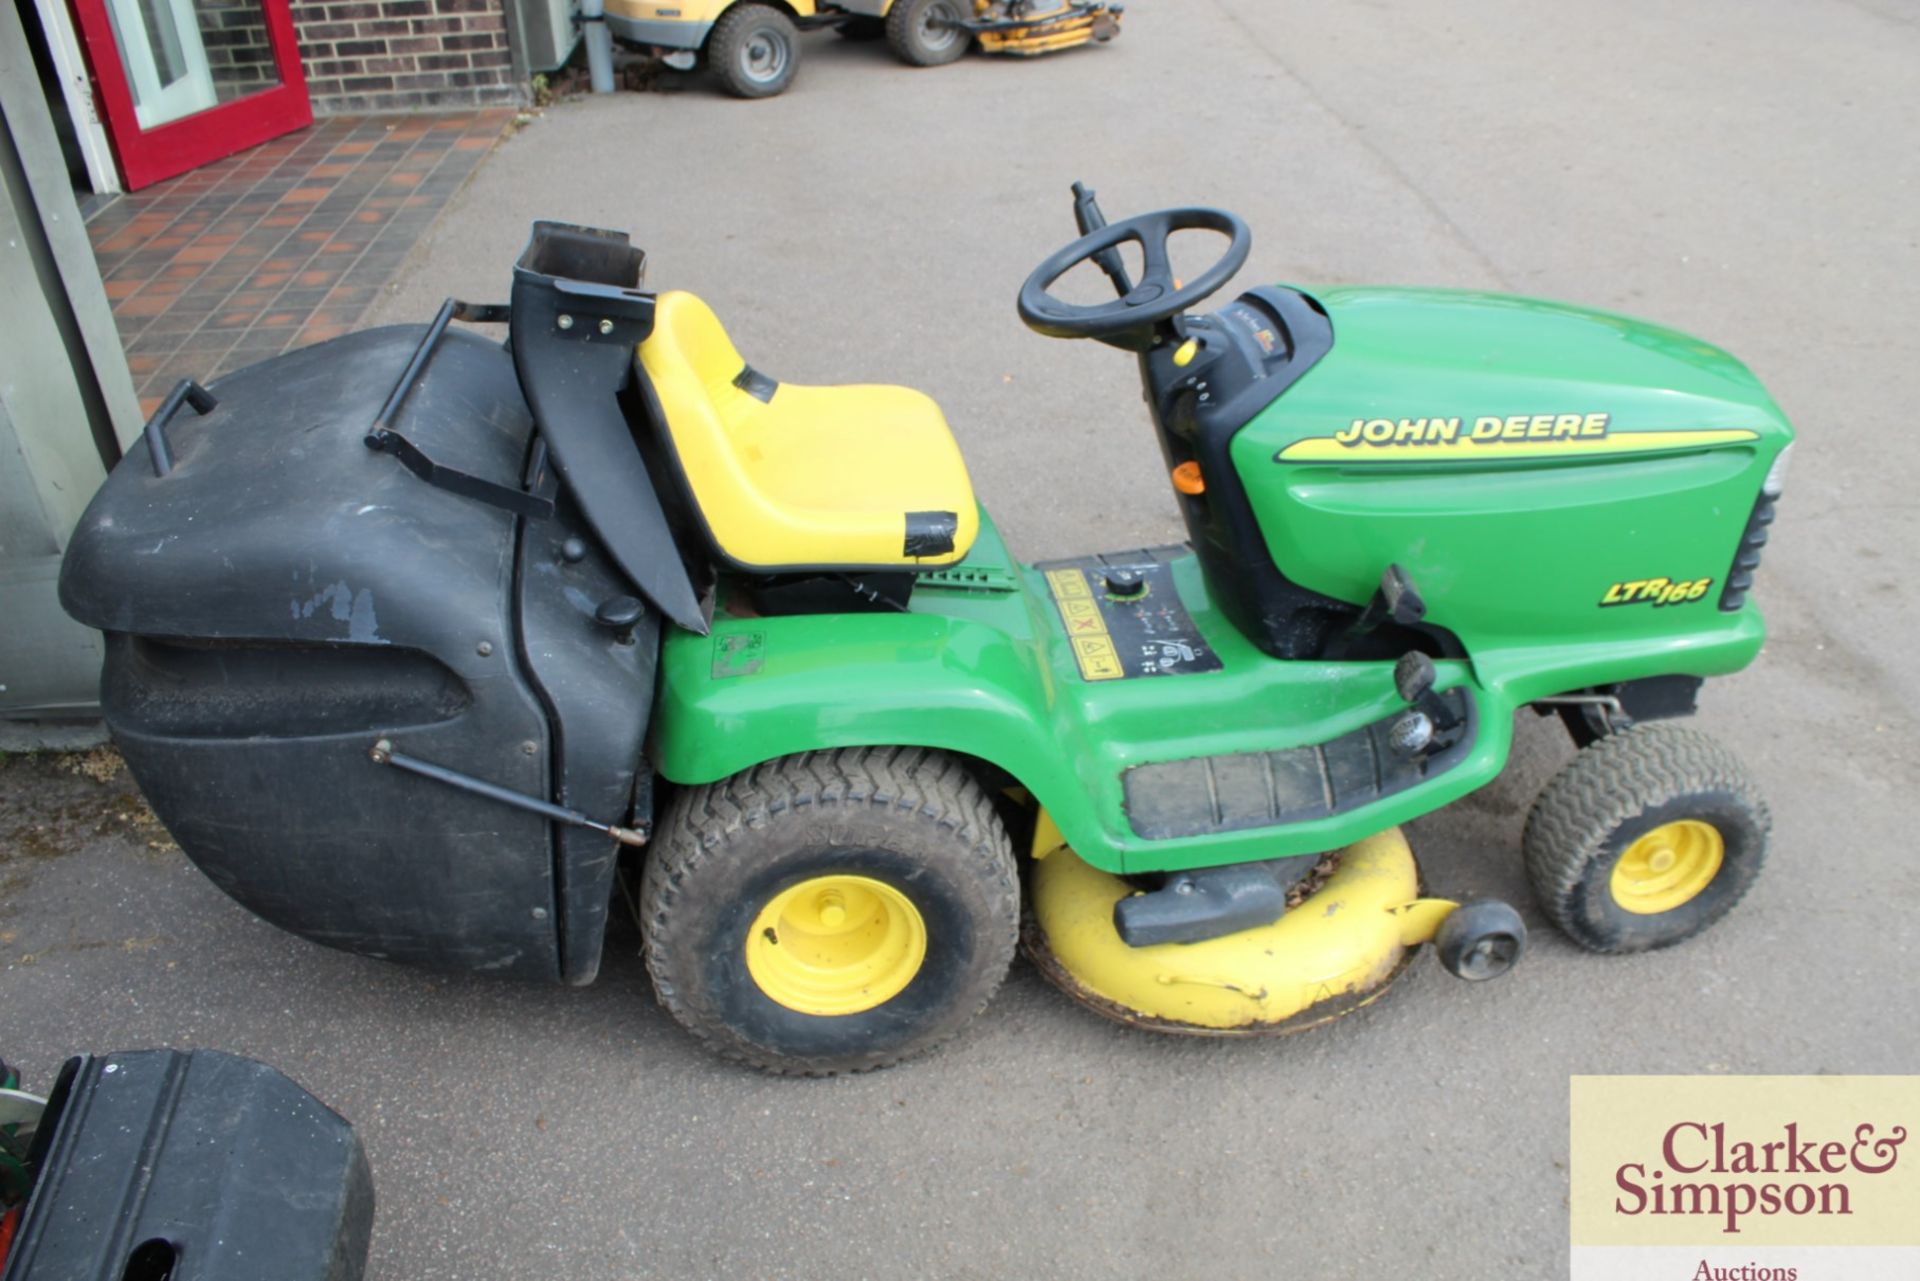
280, 246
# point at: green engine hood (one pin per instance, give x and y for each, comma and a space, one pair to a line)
1532, 465
1405, 356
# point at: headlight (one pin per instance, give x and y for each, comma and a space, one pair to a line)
1776, 482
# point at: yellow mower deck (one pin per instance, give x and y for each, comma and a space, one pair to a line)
1336, 951
1066, 27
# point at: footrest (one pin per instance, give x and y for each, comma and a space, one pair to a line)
1202, 795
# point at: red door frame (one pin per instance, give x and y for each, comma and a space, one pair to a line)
148, 155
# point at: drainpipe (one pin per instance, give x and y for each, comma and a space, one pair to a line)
593, 27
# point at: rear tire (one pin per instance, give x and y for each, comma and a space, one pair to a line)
755, 50
916, 37
912, 857
1647, 837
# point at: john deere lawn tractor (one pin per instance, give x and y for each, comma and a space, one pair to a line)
753, 46
422, 643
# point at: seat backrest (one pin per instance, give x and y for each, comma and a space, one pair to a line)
689, 337
790, 477
692, 365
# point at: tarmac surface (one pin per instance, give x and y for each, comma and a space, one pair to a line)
1744, 171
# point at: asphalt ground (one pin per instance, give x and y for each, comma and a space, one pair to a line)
1745, 171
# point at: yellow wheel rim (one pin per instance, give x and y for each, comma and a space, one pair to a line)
836, 945
1668, 867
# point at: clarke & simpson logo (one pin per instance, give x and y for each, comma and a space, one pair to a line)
1704, 1173
1743, 1179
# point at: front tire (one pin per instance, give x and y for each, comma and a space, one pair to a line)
1647, 837
918, 36
755, 50
831, 912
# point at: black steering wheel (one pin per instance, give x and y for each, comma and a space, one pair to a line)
1128, 321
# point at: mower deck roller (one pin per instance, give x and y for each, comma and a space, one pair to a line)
1335, 951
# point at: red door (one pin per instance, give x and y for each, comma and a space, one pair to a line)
185, 82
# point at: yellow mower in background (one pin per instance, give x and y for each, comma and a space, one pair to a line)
753, 46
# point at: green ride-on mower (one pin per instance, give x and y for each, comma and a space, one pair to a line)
423, 644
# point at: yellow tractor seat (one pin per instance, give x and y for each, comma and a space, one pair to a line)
790, 478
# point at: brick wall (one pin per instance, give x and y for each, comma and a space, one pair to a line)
384, 55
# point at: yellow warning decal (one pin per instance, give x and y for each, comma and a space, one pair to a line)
1099, 660
1516, 436
1086, 629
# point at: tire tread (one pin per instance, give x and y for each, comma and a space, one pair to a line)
1612, 781
902, 16
720, 43
910, 782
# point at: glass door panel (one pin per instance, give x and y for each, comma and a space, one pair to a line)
184, 82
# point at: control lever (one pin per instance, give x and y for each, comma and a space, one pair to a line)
1413, 677
1087, 216
1429, 722
1397, 599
